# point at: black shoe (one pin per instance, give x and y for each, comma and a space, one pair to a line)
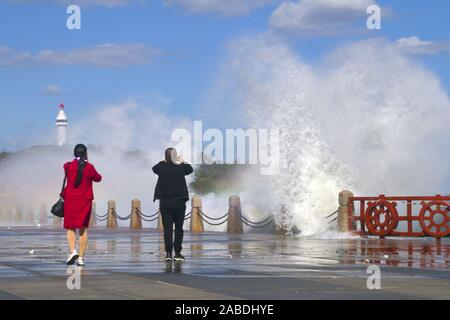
179, 257
169, 257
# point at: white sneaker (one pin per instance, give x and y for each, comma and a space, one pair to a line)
72, 257
80, 262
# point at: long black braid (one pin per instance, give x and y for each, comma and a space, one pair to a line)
80, 152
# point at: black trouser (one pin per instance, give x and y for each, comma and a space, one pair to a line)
172, 212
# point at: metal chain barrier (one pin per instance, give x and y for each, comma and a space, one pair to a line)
331, 215
101, 218
146, 216
119, 217
252, 222
257, 226
213, 224
261, 224
211, 218
149, 218
188, 216
332, 220
203, 217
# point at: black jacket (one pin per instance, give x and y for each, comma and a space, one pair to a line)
171, 180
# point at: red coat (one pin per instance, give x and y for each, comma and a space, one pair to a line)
78, 201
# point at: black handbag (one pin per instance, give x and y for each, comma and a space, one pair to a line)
58, 207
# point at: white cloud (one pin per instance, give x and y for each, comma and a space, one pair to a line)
105, 55
222, 7
99, 3
51, 89
318, 16
415, 45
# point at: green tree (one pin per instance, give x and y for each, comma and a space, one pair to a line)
217, 178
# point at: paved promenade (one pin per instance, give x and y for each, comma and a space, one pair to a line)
127, 264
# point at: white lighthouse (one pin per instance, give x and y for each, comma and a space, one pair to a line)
61, 125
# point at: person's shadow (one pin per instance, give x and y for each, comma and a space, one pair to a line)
173, 267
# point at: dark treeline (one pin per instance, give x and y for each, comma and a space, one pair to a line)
217, 177
4, 155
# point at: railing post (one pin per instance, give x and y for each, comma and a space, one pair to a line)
10, 213
19, 216
196, 219
43, 220
112, 220
343, 216
93, 220
234, 219
30, 215
4, 212
135, 222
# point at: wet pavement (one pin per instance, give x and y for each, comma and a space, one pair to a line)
128, 264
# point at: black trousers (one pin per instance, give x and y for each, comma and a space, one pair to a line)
172, 212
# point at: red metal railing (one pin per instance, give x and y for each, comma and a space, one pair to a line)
383, 216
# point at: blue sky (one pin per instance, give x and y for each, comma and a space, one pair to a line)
180, 44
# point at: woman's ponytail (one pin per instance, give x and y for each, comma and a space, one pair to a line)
81, 166
80, 152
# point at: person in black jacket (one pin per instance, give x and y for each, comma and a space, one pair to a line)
172, 192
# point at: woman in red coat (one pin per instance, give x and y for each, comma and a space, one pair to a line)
78, 196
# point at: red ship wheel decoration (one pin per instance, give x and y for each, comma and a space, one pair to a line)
381, 217
434, 218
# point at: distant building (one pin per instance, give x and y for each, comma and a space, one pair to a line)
7, 205
61, 125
